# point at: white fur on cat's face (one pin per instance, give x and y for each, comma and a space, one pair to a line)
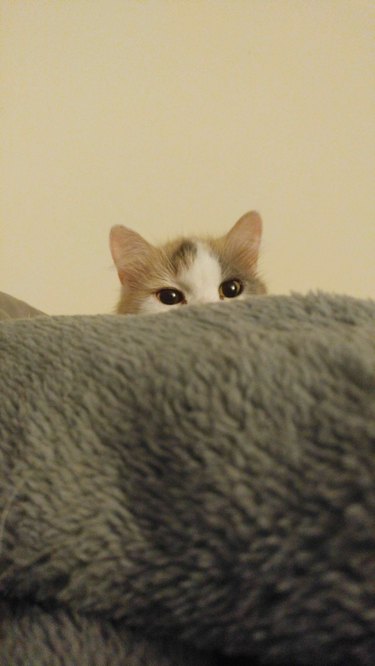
199, 283
200, 269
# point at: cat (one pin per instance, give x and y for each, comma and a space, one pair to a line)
187, 271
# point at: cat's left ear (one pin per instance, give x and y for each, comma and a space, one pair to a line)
243, 239
130, 252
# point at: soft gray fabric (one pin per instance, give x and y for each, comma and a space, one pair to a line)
13, 308
201, 479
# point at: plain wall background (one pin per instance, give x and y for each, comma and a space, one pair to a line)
177, 116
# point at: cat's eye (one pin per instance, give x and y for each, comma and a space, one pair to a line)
230, 288
170, 296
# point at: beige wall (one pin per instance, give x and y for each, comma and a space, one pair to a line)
179, 115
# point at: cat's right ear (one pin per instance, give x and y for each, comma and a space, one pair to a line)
129, 251
243, 240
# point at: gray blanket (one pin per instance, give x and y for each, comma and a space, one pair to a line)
189, 488
13, 308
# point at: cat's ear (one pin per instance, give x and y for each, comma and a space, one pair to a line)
129, 251
243, 239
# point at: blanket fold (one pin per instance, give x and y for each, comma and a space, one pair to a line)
192, 488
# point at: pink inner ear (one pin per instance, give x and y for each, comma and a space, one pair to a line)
129, 251
243, 240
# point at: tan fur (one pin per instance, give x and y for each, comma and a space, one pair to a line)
238, 254
142, 281
144, 269
241, 264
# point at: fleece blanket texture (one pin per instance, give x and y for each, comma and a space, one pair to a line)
190, 488
13, 308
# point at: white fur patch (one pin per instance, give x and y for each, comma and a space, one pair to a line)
152, 305
199, 283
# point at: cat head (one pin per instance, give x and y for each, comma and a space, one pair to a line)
187, 271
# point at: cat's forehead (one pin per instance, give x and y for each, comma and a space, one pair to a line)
192, 261
203, 255
183, 255
201, 277
180, 254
